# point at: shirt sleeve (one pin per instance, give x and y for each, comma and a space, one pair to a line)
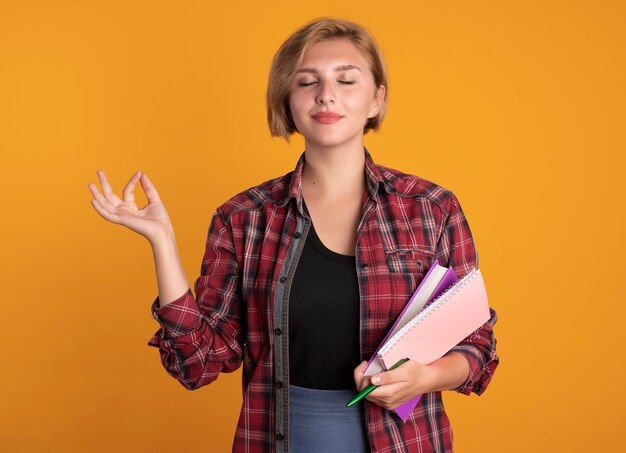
456, 249
201, 336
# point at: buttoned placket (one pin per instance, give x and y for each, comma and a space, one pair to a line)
362, 268
281, 332
281, 321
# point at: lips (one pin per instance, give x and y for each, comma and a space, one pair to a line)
327, 117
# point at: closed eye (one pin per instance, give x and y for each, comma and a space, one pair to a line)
344, 82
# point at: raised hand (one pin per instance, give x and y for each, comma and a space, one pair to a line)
151, 221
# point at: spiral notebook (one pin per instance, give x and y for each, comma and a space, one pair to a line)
448, 320
450, 315
435, 282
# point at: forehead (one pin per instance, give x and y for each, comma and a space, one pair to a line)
333, 52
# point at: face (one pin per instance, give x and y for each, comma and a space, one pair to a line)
332, 94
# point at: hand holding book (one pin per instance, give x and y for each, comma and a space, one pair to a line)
399, 385
427, 334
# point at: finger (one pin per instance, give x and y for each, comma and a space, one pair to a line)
93, 189
358, 374
387, 391
389, 396
360, 369
149, 189
103, 212
129, 190
391, 376
107, 190
103, 202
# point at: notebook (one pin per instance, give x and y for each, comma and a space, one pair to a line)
434, 283
449, 319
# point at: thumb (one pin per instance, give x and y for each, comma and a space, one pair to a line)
394, 374
386, 377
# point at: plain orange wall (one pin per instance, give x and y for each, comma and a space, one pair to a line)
518, 107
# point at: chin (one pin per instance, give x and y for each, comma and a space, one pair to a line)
331, 140
328, 143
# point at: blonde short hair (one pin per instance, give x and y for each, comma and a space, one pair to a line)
291, 53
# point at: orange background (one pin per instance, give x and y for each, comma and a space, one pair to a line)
518, 107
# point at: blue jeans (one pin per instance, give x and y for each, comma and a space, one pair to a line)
320, 422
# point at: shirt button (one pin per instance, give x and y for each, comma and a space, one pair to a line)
282, 279
364, 265
297, 235
278, 331
279, 436
279, 384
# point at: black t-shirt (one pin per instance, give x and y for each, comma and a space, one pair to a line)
323, 318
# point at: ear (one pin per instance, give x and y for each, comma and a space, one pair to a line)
379, 99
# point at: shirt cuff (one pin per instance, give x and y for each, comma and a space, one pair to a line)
474, 382
178, 318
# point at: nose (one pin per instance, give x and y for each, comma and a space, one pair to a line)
326, 94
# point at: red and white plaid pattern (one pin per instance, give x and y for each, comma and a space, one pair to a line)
407, 223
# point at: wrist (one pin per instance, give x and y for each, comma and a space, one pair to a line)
435, 373
162, 238
449, 372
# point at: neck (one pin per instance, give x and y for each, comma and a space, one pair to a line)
334, 173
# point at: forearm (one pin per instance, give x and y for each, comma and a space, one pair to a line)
171, 279
449, 372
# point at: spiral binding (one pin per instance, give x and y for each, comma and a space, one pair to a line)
427, 311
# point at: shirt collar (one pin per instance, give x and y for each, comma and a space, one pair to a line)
373, 178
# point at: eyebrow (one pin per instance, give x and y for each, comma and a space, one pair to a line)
344, 67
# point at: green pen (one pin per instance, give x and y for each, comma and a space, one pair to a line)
370, 388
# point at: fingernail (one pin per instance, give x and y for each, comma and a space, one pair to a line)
376, 380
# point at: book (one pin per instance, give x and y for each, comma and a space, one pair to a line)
448, 320
435, 282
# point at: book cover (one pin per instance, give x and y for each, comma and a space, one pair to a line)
434, 283
442, 325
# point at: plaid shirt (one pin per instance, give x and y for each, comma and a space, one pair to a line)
239, 314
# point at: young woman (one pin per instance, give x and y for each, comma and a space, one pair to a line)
303, 275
